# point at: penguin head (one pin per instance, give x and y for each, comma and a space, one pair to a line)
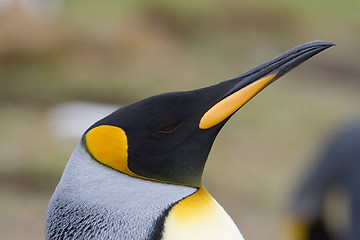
168, 137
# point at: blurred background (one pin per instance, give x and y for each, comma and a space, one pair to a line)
65, 64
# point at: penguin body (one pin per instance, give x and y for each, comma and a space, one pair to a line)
91, 194
96, 202
136, 173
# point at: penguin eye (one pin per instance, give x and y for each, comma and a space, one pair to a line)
168, 129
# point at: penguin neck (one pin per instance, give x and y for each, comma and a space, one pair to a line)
91, 179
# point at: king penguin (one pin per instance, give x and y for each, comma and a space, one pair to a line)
136, 174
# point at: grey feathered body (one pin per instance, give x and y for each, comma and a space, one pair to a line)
93, 201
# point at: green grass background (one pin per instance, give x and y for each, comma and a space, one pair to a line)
121, 51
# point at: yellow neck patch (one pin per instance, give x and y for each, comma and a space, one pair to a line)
230, 104
194, 206
199, 217
296, 229
108, 145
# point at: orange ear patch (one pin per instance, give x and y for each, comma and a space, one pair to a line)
108, 145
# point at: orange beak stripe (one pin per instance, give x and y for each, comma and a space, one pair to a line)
223, 109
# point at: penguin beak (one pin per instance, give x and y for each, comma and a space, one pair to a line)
250, 83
